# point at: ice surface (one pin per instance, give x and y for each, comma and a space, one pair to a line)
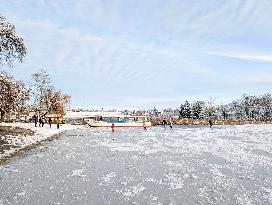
185, 165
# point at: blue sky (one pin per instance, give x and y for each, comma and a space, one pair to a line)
141, 54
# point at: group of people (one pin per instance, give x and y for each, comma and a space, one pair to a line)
164, 122
41, 120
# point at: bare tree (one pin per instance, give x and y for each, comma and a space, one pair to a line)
47, 99
210, 108
40, 84
11, 45
55, 101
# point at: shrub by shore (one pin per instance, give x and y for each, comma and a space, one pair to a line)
190, 121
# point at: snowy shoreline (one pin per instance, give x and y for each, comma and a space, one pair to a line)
22, 142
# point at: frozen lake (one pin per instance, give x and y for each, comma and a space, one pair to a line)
185, 165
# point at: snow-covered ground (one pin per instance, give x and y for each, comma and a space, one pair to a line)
41, 133
185, 165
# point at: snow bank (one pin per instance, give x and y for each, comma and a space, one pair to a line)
41, 133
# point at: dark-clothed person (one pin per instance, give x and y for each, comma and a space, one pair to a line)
50, 121
210, 123
35, 120
58, 123
40, 121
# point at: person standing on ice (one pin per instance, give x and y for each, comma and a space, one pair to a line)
58, 123
50, 121
164, 123
210, 122
42, 118
40, 121
112, 127
171, 125
35, 120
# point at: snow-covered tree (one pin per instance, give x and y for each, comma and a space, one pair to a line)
225, 112
210, 109
13, 95
39, 85
47, 99
236, 110
181, 112
11, 45
266, 106
155, 112
187, 109
198, 109
55, 101
248, 106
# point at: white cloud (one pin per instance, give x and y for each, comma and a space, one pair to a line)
148, 51
250, 57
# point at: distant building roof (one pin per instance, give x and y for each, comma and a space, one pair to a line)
86, 114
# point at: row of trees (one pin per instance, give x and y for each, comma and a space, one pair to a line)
16, 97
46, 98
194, 110
248, 107
39, 96
251, 107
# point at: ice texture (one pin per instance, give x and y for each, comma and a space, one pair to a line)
185, 165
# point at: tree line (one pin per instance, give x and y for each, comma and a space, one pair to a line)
248, 107
39, 96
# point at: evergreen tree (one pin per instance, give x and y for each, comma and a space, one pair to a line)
197, 109
181, 112
187, 109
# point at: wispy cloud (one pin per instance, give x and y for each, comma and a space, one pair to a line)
249, 57
142, 52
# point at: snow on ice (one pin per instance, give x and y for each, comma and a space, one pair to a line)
41, 133
195, 165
